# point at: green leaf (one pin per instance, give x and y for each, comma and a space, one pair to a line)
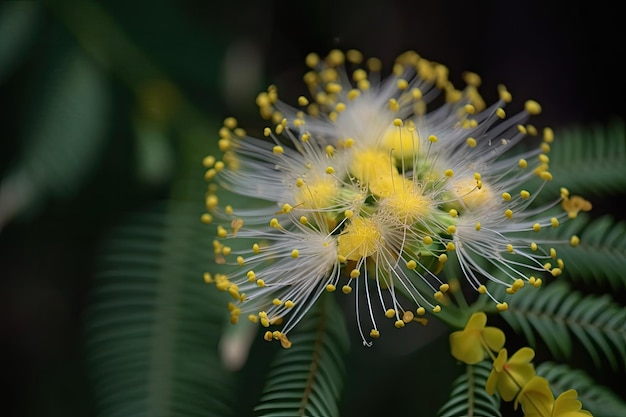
599, 400
307, 379
556, 313
468, 396
153, 326
600, 258
589, 160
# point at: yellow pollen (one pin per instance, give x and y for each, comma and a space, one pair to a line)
500, 113
536, 227
348, 214
448, 173
555, 222
522, 163
289, 304
221, 232
206, 218
399, 324
355, 273
251, 276
374, 334
278, 150
330, 170
303, 101
437, 309
533, 246
411, 264
390, 313
524, 194
277, 302
438, 295
509, 248
359, 239
240, 260
260, 283
574, 241
450, 246
420, 311
451, 229
443, 258
397, 122
508, 213
471, 142
453, 213
478, 226
427, 240
532, 107
482, 289
432, 138
295, 253
502, 306
402, 84
330, 288
506, 196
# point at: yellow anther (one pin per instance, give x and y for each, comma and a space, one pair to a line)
330, 170
305, 137
348, 214
402, 84
416, 93
226, 250
260, 283
453, 213
299, 182
312, 60
477, 176
274, 223
346, 289
532, 130
478, 226
451, 229
427, 240
522, 163
509, 248
295, 253
399, 324
330, 150
420, 311
278, 149
506, 196
471, 142
437, 309
500, 113
574, 241
545, 147
390, 313
374, 334
555, 222
552, 253
502, 306
546, 176
286, 208
206, 218
556, 272
289, 304
354, 56
533, 246
547, 266
394, 105
268, 336
411, 264
251, 276
355, 273
330, 288
277, 302
450, 246
279, 129
397, 122
548, 135
522, 129
524, 194
221, 232
438, 295
469, 109
432, 138
448, 173
341, 258
482, 289
544, 158
208, 278
508, 213
536, 227
532, 107
349, 143
304, 220
443, 258
408, 316
333, 88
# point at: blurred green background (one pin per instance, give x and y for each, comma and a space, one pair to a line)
107, 105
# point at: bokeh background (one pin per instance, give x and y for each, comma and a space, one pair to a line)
105, 104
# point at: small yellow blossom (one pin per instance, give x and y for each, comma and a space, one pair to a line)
508, 377
470, 344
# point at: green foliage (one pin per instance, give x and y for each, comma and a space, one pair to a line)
589, 161
308, 378
152, 327
597, 399
600, 258
557, 314
468, 396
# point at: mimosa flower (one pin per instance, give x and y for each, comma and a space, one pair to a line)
472, 343
509, 376
366, 189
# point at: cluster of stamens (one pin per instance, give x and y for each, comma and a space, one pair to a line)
362, 188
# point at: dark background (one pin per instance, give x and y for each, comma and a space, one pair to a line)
218, 55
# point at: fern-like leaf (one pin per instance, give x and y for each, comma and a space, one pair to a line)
599, 400
600, 258
468, 396
590, 161
152, 327
307, 379
556, 313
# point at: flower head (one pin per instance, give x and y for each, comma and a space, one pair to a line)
537, 400
470, 344
363, 187
509, 376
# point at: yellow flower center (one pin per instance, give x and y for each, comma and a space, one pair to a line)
360, 239
318, 194
406, 203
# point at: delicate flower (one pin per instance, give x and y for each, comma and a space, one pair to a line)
365, 189
472, 343
508, 377
537, 400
